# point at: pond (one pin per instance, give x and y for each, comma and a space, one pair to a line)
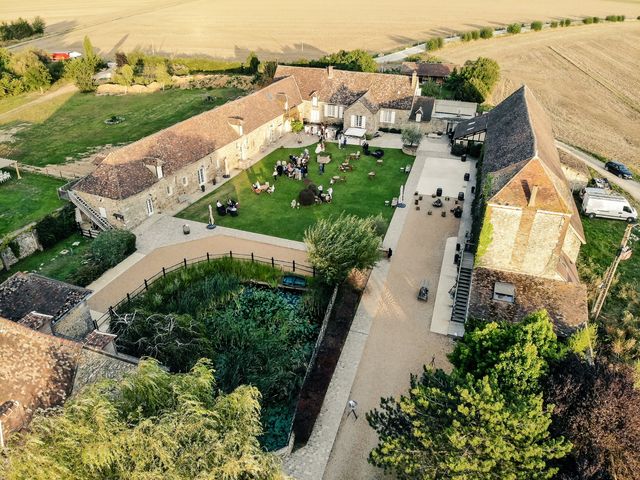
253, 334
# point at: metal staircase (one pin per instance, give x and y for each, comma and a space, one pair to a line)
88, 210
463, 289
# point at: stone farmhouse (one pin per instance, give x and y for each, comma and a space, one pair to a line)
161, 171
158, 172
354, 99
531, 230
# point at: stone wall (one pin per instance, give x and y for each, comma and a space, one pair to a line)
25, 241
76, 323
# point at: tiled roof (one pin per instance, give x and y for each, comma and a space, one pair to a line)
35, 320
342, 87
123, 172
566, 302
36, 369
23, 293
94, 365
98, 339
424, 69
425, 105
517, 131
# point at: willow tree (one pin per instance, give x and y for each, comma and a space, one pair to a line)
152, 424
337, 245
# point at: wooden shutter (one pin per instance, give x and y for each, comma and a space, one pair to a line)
341, 111
393, 117
326, 110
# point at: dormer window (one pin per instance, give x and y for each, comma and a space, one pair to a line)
159, 172
504, 292
314, 100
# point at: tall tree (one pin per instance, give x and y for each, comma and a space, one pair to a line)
89, 54
357, 60
150, 425
81, 72
598, 410
485, 420
337, 245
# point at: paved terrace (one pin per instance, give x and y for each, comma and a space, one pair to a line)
390, 338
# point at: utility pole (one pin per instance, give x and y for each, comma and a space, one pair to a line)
623, 254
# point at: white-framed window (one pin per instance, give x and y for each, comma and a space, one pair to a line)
103, 212
314, 100
315, 116
159, 171
149, 206
169, 190
185, 181
201, 179
359, 121
387, 116
332, 111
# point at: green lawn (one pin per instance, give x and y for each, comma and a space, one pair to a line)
53, 263
603, 241
273, 215
27, 200
76, 124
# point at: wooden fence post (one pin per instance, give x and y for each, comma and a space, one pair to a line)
251, 257
207, 257
164, 272
294, 265
273, 263
146, 285
185, 263
230, 254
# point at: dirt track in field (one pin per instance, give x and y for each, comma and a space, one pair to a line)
281, 28
586, 77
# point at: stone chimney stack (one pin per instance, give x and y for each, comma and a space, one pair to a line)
330, 71
414, 80
533, 195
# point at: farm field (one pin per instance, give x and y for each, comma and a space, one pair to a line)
280, 29
271, 214
71, 126
586, 77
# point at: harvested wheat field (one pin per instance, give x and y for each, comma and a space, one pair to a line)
587, 77
281, 29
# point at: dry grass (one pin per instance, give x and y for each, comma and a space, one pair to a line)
228, 29
586, 77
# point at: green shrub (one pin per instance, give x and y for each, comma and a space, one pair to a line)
486, 32
465, 37
475, 35
566, 22
474, 149
554, 24
514, 28
536, 26
596, 19
458, 149
615, 18
587, 20
434, 43
57, 226
297, 126
107, 250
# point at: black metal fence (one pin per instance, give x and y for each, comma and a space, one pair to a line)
284, 265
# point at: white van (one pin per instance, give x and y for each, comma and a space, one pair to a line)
597, 203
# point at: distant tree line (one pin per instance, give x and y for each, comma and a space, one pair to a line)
21, 28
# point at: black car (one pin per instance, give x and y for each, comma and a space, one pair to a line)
618, 169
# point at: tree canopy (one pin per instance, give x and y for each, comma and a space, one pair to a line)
598, 410
337, 245
475, 81
486, 419
152, 424
358, 60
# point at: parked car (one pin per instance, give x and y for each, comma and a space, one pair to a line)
598, 203
618, 169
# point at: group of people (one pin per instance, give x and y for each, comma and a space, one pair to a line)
297, 167
231, 208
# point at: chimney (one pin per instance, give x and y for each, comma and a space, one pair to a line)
532, 196
414, 79
330, 71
